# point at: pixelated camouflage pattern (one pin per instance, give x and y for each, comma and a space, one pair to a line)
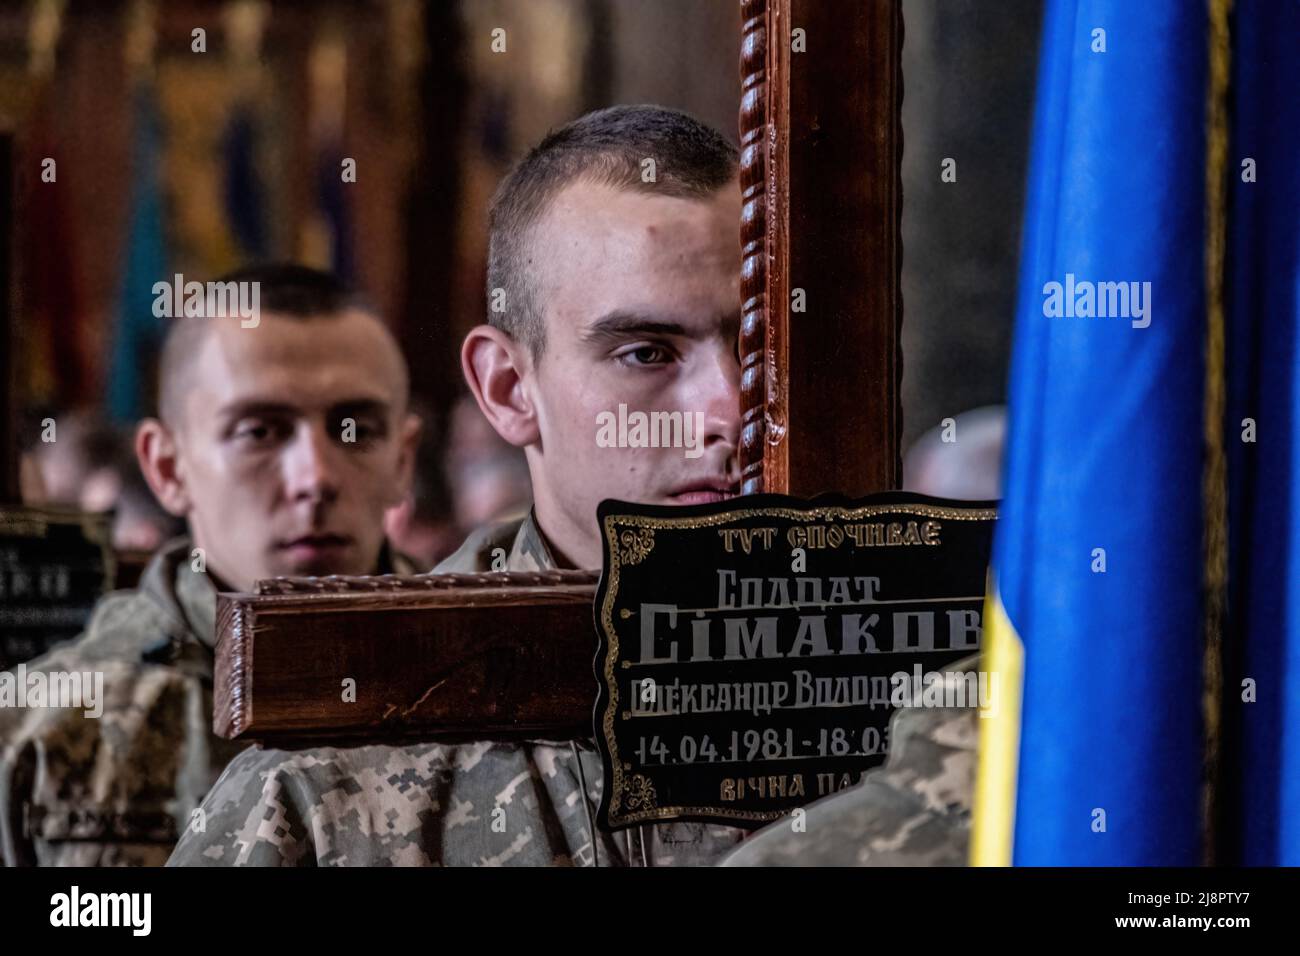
487, 803
914, 810
118, 789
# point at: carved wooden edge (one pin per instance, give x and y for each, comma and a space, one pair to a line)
387, 583
234, 657
900, 26
291, 597
764, 120
754, 146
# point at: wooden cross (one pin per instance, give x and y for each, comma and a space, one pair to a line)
441, 655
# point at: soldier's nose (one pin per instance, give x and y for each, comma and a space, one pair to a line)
309, 470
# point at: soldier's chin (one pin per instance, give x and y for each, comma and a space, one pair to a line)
302, 562
319, 569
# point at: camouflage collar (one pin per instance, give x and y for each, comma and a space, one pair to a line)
529, 551
189, 598
513, 544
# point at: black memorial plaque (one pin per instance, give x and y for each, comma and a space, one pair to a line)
54, 566
752, 651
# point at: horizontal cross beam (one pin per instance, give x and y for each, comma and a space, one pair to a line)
436, 656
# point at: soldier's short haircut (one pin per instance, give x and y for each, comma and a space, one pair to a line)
608, 147
298, 291
285, 289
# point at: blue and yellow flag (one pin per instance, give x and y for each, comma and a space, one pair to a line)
1260, 819
1094, 618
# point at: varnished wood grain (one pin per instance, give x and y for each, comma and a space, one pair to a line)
436, 656
821, 128
755, 239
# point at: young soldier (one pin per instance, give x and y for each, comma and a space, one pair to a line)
282, 444
613, 278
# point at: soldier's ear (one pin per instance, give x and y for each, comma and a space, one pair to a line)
494, 366
156, 451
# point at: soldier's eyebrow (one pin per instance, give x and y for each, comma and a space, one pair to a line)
360, 406
266, 408
620, 325
258, 407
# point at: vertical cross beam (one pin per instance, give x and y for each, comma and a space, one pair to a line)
821, 144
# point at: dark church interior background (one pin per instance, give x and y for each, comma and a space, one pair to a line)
174, 160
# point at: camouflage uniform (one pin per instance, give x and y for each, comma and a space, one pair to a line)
477, 804
118, 789
912, 811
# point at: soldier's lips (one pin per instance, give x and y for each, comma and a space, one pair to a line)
315, 548
703, 493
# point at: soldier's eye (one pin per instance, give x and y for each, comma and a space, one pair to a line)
360, 431
645, 355
254, 431
361, 435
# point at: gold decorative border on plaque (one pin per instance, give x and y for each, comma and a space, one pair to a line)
635, 545
640, 793
623, 780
